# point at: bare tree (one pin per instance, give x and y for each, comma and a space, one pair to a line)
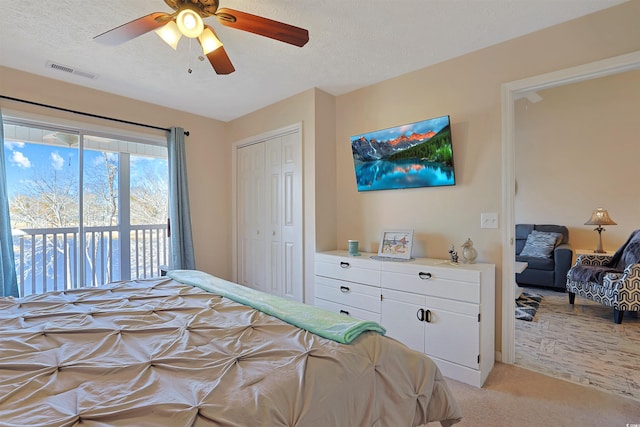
100, 196
49, 200
149, 204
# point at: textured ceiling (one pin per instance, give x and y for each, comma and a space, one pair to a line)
353, 43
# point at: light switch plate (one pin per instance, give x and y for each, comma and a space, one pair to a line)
489, 220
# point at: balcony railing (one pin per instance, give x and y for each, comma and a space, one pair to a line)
47, 258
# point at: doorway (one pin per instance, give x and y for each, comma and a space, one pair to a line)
510, 92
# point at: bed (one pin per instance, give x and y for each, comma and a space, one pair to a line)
183, 351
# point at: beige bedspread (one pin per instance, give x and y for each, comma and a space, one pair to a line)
160, 353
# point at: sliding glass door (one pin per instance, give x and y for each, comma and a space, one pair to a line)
86, 209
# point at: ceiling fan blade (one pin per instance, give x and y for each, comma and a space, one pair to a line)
262, 26
220, 61
133, 29
218, 58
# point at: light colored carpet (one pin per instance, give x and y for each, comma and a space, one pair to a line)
514, 396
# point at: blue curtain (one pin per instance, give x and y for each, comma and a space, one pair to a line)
7, 260
182, 256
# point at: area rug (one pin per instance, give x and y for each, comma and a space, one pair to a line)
526, 306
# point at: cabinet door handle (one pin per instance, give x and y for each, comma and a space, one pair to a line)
420, 314
344, 264
427, 317
344, 289
344, 312
424, 276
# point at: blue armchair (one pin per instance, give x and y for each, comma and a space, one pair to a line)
548, 270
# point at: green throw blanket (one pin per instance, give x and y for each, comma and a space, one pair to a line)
334, 326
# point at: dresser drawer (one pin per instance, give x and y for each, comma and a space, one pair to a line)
423, 282
349, 269
345, 309
348, 293
437, 270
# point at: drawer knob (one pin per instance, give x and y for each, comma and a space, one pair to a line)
345, 289
424, 276
344, 312
344, 264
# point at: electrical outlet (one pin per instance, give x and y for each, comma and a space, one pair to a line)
489, 220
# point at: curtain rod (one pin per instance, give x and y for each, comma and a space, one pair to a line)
87, 114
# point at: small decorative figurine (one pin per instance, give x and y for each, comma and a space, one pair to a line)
469, 253
453, 254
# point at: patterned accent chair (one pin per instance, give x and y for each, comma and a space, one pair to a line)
613, 281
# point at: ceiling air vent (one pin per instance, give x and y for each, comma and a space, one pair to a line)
70, 70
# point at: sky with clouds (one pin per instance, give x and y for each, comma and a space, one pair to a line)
24, 162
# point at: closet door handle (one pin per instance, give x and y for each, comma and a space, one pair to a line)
344, 264
424, 276
344, 312
420, 314
344, 289
427, 317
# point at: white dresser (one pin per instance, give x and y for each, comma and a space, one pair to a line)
444, 310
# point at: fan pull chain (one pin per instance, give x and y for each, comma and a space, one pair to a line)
189, 70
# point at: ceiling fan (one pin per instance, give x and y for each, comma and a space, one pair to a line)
187, 21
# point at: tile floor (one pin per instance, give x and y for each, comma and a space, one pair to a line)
581, 344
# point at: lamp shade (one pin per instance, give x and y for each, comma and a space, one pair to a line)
190, 23
170, 34
600, 216
209, 41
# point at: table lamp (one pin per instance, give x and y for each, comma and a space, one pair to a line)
600, 217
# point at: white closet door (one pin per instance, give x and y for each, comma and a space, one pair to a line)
269, 215
292, 227
250, 218
273, 212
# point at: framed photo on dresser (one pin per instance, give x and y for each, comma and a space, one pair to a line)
396, 244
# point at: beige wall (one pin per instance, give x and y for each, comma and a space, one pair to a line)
325, 172
208, 153
577, 149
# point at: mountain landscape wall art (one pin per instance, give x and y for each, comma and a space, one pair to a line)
414, 155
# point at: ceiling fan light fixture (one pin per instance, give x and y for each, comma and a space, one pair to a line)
189, 23
209, 41
188, 15
170, 33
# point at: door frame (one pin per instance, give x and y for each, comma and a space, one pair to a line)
512, 91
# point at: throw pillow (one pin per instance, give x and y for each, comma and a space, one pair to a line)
539, 245
553, 233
